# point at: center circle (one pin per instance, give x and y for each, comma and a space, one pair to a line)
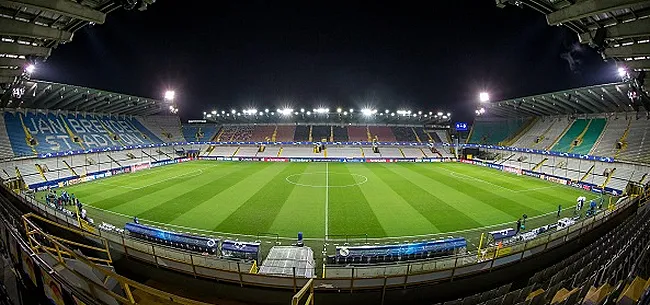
326, 179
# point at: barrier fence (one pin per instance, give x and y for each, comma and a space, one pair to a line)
337, 277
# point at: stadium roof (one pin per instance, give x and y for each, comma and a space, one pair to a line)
47, 95
329, 116
30, 29
618, 29
586, 100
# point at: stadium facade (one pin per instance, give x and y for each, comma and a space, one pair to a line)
56, 135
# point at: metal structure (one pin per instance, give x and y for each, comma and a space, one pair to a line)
617, 29
608, 98
30, 29
55, 96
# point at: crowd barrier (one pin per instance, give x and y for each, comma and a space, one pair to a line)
338, 277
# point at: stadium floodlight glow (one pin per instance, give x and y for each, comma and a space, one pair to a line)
339, 110
30, 68
321, 110
233, 111
351, 110
368, 111
209, 115
169, 94
440, 113
484, 97
266, 110
402, 112
622, 72
345, 113
214, 112
430, 113
223, 112
285, 111
392, 114
426, 115
308, 112
420, 112
448, 113
302, 110
249, 111
444, 117
296, 113
386, 111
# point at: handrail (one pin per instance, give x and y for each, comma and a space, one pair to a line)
309, 287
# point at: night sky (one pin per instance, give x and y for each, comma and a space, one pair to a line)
424, 55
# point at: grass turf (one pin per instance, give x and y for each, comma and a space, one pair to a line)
380, 200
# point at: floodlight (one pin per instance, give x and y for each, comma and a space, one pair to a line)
266, 110
30, 68
440, 113
386, 111
321, 110
209, 115
420, 112
339, 110
345, 113
484, 97
169, 94
366, 111
392, 114
223, 112
426, 115
351, 110
233, 111
622, 72
302, 110
285, 111
308, 112
214, 112
448, 114
430, 113
444, 117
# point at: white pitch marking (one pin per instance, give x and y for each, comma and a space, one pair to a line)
200, 171
327, 183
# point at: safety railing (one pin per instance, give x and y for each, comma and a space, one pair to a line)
332, 276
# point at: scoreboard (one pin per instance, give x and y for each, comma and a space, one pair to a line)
461, 126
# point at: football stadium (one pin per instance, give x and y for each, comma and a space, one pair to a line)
112, 198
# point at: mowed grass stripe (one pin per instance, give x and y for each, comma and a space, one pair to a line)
170, 209
257, 214
94, 190
390, 207
349, 210
304, 209
482, 192
118, 196
444, 216
530, 190
154, 200
211, 212
477, 210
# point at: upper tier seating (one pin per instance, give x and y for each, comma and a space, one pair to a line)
198, 133
32, 133
166, 127
262, 133
341, 134
424, 137
443, 135
637, 147
606, 147
493, 131
285, 133
530, 138
318, 133
358, 134
588, 130
404, 134
382, 133
236, 134
302, 133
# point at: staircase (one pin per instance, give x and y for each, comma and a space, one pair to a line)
280, 151
236, 151
417, 137
401, 152
368, 134
609, 177
40, 171
331, 133
591, 169
145, 153
218, 136
539, 164
311, 127
523, 130
275, 134
70, 168
118, 163
623, 139
580, 136
507, 159
5, 148
543, 135
560, 136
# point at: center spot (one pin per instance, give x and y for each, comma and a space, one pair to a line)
323, 179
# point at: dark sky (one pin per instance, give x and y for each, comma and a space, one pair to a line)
428, 55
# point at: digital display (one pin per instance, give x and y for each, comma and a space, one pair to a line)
461, 126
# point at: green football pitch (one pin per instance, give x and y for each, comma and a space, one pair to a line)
319, 199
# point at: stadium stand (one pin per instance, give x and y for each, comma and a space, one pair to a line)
246, 151
616, 128
166, 127
636, 144
422, 136
5, 144
203, 132
390, 152
494, 131
236, 133
224, 150
581, 136
301, 134
269, 151
358, 134
413, 152
299, 151
34, 133
321, 132
284, 133
404, 134
443, 135
262, 133
382, 133
345, 151
340, 134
